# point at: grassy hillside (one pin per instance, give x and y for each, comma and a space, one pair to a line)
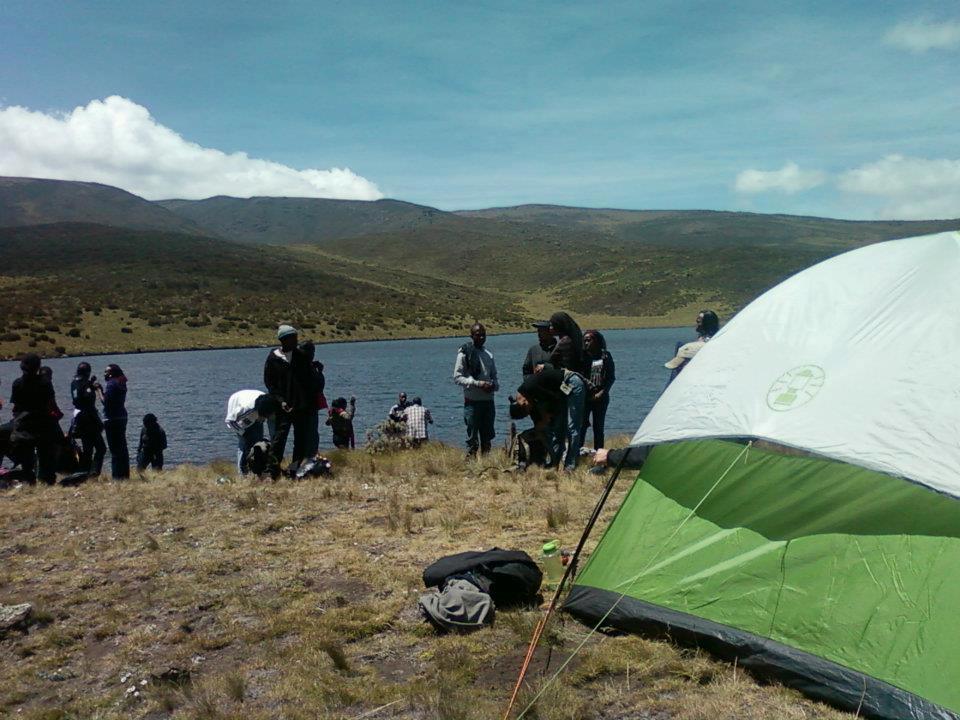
587, 273
30, 201
285, 221
708, 228
81, 288
185, 598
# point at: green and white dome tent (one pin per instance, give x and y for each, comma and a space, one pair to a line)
835, 569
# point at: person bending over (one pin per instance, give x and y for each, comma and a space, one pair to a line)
246, 412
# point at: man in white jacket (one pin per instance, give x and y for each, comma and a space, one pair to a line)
476, 372
246, 411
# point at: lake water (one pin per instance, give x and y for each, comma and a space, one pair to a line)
188, 390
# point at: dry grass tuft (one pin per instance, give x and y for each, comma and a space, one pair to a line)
337, 656
247, 501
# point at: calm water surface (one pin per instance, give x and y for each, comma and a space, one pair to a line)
188, 390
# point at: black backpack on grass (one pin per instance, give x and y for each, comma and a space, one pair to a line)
513, 577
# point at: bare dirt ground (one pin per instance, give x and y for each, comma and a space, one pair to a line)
180, 596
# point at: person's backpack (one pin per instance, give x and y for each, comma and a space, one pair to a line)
260, 460
513, 577
531, 449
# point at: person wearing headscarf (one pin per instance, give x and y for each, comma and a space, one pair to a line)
115, 421
567, 356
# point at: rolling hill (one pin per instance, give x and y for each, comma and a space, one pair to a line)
79, 287
709, 228
284, 221
30, 201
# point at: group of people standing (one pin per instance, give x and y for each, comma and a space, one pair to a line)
293, 400
413, 418
36, 443
567, 378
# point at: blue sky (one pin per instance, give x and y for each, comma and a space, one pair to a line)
845, 109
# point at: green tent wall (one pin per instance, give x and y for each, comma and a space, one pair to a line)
834, 579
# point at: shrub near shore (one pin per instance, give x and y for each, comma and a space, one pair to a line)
186, 597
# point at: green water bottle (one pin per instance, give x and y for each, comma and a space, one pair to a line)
552, 562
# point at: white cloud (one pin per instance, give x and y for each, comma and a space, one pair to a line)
912, 188
789, 179
924, 34
117, 142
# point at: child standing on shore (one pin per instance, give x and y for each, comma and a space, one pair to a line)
341, 422
153, 441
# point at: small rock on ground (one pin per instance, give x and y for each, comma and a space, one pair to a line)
14, 616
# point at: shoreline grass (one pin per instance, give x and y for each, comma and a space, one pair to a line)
102, 335
186, 596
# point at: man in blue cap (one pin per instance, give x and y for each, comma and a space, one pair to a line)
286, 375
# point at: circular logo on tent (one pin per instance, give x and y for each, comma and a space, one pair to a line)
795, 387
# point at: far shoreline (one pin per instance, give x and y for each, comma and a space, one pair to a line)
335, 341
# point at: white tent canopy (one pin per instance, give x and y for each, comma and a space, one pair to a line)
856, 359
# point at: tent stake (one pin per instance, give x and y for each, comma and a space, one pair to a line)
569, 571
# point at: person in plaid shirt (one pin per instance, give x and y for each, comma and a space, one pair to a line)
417, 418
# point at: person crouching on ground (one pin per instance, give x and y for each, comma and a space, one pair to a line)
541, 398
246, 412
417, 417
476, 372
153, 441
341, 422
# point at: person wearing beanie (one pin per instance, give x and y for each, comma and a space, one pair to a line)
287, 375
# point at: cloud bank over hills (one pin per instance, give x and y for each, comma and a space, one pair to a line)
909, 188
117, 142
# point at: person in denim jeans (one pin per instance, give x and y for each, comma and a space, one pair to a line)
115, 421
576, 392
476, 372
568, 355
557, 396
